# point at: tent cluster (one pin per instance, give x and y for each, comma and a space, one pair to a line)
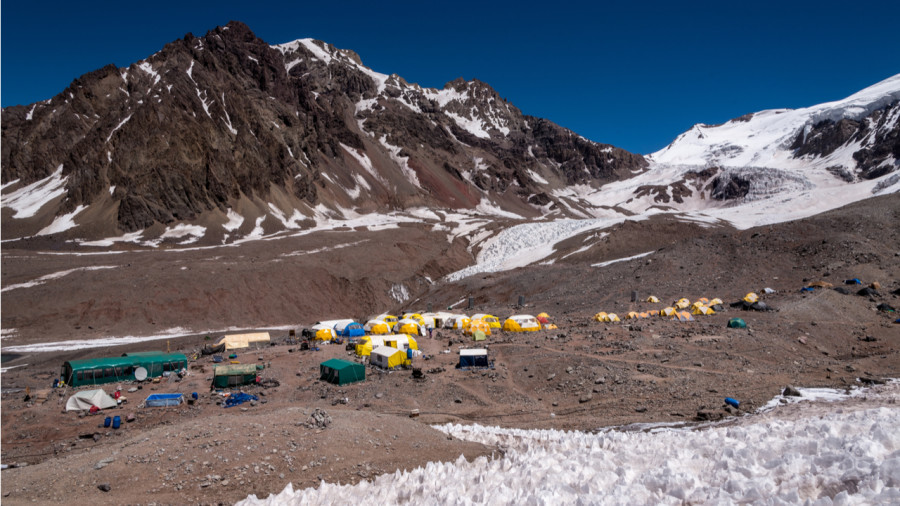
388, 341
682, 309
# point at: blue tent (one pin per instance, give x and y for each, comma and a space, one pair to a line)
350, 330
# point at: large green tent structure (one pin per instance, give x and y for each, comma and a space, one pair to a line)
95, 371
232, 375
341, 372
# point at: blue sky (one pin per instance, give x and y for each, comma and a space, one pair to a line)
633, 74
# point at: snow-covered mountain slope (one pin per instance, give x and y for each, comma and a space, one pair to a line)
775, 138
766, 167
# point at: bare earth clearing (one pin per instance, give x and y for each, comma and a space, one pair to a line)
582, 376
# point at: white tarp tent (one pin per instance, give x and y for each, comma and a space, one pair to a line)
85, 399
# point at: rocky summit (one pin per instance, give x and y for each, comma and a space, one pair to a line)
228, 121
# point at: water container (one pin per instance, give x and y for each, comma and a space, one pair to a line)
107, 421
732, 402
194, 395
116, 422
409, 353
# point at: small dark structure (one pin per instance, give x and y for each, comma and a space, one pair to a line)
737, 323
474, 358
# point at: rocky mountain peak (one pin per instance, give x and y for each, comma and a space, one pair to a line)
223, 121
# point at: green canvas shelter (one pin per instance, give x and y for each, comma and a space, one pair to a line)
95, 371
341, 372
737, 323
234, 375
478, 336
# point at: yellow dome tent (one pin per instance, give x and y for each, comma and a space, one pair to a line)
408, 326
477, 325
521, 323
390, 319
751, 298
668, 311
415, 316
492, 321
653, 298
600, 316
379, 327
703, 310
324, 332
682, 303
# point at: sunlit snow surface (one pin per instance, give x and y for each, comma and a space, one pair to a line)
818, 453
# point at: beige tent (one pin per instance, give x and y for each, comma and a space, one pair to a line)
237, 341
87, 398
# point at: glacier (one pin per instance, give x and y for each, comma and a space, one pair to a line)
830, 449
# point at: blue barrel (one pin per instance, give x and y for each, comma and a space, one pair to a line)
409, 353
194, 395
116, 422
107, 421
732, 402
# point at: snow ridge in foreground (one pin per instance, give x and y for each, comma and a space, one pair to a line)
814, 453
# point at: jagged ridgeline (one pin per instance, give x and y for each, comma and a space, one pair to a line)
227, 122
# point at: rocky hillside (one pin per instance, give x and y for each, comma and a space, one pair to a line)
226, 124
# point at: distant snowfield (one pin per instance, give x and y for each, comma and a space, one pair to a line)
609, 262
55, 275
823, 452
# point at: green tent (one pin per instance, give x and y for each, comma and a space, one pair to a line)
737, 323
96, 371
234, 375
341, 372
478, 336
